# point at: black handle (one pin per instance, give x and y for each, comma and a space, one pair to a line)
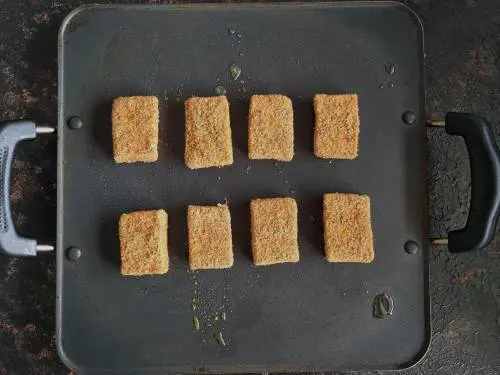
485, 172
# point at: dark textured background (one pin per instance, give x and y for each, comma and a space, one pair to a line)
463, 73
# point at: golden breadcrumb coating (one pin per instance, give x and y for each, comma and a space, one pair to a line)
274, 231
208, 132
210, 239
143, 242
347, 228
336, 130
134, 122
270, 128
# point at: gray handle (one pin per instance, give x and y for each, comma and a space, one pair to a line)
10, 134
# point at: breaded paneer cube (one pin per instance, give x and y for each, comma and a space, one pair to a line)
336, 131
210, 241
208, 134
270, 128
347, 228
143, 242
274, 231
134, 121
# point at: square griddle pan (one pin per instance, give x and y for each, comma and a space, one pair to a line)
308, 316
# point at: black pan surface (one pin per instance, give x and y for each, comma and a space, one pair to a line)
306, 316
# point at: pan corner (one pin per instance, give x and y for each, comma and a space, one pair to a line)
420, 354
77, 17
410, 13
66, 357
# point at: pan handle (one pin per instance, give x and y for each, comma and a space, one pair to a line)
10, 134
485, 173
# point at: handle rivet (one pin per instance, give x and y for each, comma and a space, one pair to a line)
383, 306
75, 123
409, 117
74, 253
411, 247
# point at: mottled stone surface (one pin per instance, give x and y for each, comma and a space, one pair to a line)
462, 67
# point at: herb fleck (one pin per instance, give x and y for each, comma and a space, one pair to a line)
235, 71
218, 337
219, 90
196, 323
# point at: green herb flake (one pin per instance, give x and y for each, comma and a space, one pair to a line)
219, 90
219, 338
196, 323
235, 71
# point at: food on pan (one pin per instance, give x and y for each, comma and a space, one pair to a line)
274, 231
347, 228
209, 232
134, 122
270, 128
143, 242
336, 131
208, 134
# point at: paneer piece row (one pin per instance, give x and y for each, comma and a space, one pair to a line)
208, 131
274, 227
